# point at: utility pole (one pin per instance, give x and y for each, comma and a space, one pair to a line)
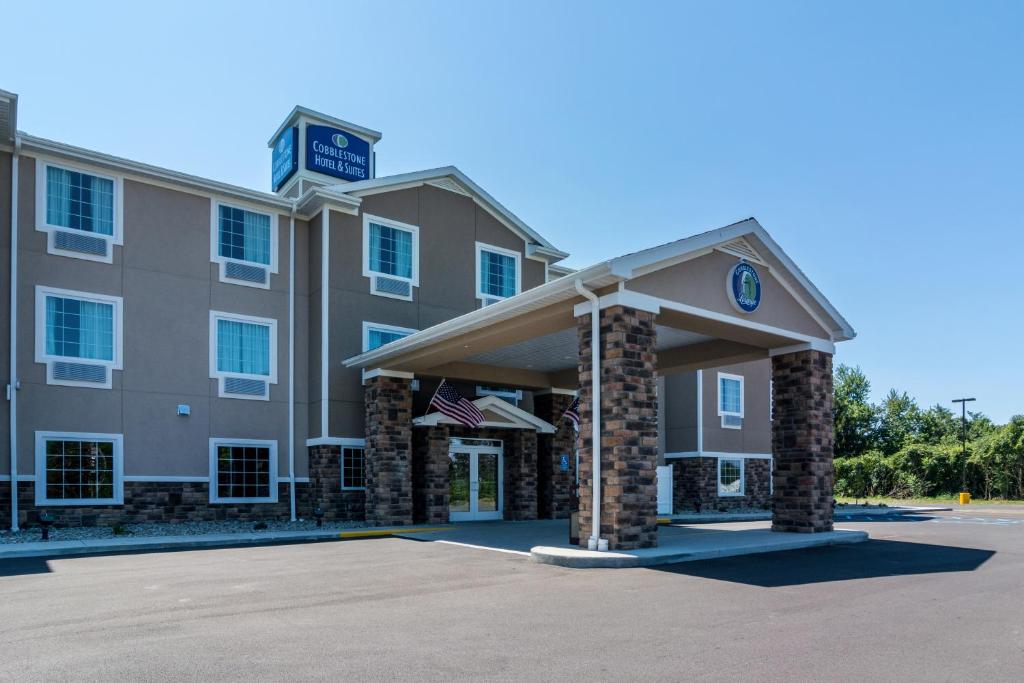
963, 430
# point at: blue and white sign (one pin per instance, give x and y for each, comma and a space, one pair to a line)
336, 153
285, 161
564, 464
744, 287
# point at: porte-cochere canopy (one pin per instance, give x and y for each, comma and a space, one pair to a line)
725, 296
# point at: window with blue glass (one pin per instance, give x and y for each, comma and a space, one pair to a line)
498, 275
243, 348
244, 235
376, 336
391, 251
79, 329
79, 201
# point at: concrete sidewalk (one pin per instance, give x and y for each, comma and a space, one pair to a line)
760, 516
98, 546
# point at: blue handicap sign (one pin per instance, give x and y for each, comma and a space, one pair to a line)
565, 463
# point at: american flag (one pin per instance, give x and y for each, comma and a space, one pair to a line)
572, 413
450, 402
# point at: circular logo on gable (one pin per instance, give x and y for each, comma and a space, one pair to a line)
744, 287
339, 140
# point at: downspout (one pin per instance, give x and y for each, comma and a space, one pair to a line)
594, 542
291, 362
12, 387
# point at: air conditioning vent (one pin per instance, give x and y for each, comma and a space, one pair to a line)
80, 242
732, 421
741, 247
80, 372
488, 300
245, 272
245, 387
391, 286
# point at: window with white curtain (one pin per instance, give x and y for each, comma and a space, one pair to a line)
243, 348
244, 235
80, 330
390, 250
730, 400
79, 201
497, 273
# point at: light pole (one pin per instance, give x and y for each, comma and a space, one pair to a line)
963, 427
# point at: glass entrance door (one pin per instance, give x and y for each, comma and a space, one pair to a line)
474, 481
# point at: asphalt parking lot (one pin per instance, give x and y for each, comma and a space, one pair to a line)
938, 598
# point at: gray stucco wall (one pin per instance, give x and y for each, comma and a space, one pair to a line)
5, 311
169, 285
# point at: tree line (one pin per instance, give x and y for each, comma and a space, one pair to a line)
897, 449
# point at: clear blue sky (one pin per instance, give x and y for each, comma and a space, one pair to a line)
880, 143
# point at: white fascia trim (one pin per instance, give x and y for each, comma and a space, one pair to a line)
336, 441
482, 247
264, 443
43, 358
398, 225
556, 391
215, 256
369, 326
38, 147
717, 454
384, 372
300, 111
622, 297
813, 345
40, 489
219, 375
479, 195
42, 163
737, 378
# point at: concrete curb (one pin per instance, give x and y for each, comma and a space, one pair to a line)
649, 557
719, 517
10, 551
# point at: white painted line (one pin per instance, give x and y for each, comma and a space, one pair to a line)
485, 547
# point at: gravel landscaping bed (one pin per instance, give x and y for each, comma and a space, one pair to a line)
34, 534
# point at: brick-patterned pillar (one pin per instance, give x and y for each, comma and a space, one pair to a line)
802, 441
554, 484
430, 470
324, 479
629, 429
521, 475
388, 450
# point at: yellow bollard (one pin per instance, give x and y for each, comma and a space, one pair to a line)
965, 498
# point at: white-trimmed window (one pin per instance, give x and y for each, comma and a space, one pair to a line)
244, 243
80, 209
391, 255
730, 400
75, 468
730, 477
498, 273
353, 467
376, 335
78, 336
243, 471
243, 355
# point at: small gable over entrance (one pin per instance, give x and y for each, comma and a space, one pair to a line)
498, 413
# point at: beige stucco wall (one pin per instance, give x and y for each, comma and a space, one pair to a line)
449, 225
169, 285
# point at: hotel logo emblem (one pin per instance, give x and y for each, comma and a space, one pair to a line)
744, 286
339, 140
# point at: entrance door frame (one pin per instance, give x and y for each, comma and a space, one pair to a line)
474, 451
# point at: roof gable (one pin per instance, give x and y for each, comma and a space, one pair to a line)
498, 413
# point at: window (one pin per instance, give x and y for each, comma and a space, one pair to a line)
78, 336
376, 335
243, 471
497, 273
390, 256
78, 469
353, 468
244, 243
243, 354
513, 396
730, 400
81, 211
730, 476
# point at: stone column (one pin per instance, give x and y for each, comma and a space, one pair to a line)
521, 475
629, 429
430, 475
553, 484
802, 441
388, 450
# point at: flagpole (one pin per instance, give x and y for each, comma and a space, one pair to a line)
434, 396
